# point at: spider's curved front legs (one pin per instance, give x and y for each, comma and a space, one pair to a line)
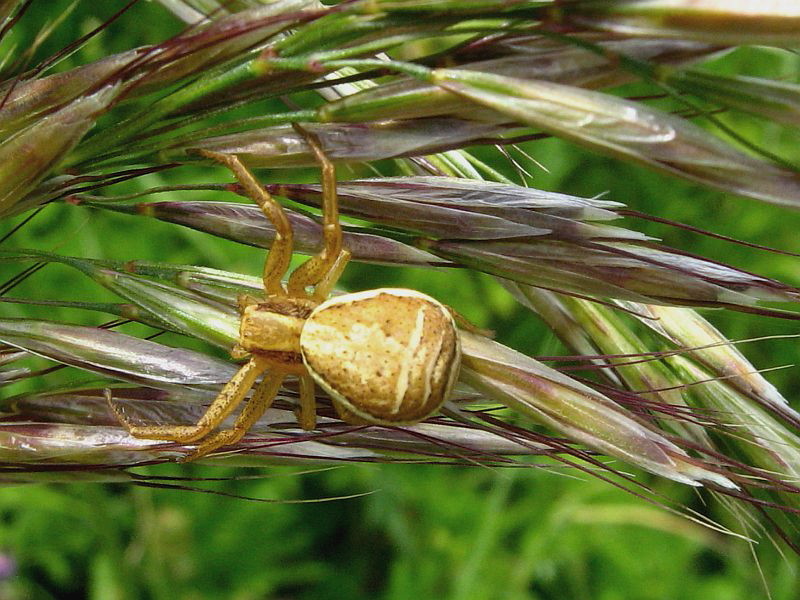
280, 253
223, 405
323, 270
263, 397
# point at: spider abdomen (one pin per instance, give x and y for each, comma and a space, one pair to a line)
390, 356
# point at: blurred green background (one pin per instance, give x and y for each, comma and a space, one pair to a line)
421, 531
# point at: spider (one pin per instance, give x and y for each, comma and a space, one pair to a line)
385, 356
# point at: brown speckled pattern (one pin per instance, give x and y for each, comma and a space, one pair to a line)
390, 355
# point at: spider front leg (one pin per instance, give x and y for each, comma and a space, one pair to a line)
228, 399
280, 253
323, 270
263, 397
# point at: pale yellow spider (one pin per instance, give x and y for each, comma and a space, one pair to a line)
385, 356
